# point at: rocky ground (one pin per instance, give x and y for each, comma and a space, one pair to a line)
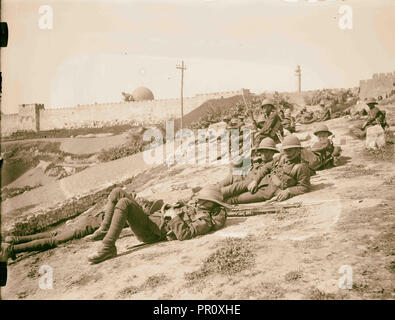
344, 231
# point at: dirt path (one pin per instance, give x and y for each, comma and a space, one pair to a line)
343, 231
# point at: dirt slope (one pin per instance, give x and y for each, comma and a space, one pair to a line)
346, 221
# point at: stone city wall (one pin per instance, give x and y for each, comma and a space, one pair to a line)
35, 117
381, 84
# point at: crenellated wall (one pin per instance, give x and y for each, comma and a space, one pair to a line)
381, 84
35, 117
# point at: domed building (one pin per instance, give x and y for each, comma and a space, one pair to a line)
142, 93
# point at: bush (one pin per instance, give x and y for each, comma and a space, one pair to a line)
13, 192
122, 151
233, 256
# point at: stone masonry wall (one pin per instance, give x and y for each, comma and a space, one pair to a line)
140, 112
381, 84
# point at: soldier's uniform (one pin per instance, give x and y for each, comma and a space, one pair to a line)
376, 116
83, 225
289, 122
280, 174
272, 125
257, 164
324, 150
186, 221
326, 113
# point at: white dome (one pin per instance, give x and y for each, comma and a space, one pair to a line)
142, 93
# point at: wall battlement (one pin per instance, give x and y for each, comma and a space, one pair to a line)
381, 84
36, 117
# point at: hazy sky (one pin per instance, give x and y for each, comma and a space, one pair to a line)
97, 49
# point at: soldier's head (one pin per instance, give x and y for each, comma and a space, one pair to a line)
233, 124
267, 106
226, 119
322, 132
267, 149
210, 197
371, 103
291, 147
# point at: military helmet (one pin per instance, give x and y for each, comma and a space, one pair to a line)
233, 124
267, 103
213, 194
371, 101
267, 144
227, 118
291, 141
322, 128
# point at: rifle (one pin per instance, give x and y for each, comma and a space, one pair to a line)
252, 211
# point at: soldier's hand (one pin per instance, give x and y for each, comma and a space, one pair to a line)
283, 195
252, 186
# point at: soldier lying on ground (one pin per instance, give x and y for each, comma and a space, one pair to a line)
321, 155
285, 177
324, 147
306, 117
376, 116
262, 155
83, 225
326, 111
206, 212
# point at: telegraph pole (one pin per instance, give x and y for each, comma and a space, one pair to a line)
298, 73
182, 67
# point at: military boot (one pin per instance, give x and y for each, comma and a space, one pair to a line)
98, 235
6, 252
11, 239
105, 252
108, 250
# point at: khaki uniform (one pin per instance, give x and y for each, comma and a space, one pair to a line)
289, 123
230, 179
376, 116
270, 127
280, 174
189, 222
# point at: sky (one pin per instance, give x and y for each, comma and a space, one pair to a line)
98, 49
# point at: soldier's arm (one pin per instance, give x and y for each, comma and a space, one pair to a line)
183, 231
263, 171
303, 181
269, 122
219, 219
253, 119
321, 146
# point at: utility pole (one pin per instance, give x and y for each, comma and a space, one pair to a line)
182, 67
298, 73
